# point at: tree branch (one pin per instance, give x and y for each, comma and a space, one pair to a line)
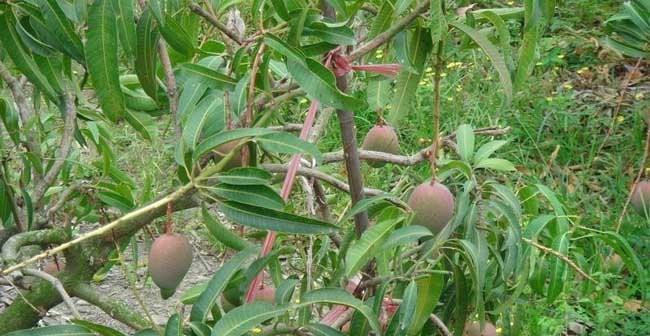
388, 34
170, 82
11, 248
409, 160
215, 22
62, 152
24, 109
441, 325
561, 257
113, 308
58, 286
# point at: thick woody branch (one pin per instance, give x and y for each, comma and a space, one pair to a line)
384, 37
12, 246
113, 308
61, 153
58, 286
215, 22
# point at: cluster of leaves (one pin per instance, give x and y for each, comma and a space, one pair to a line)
630, 29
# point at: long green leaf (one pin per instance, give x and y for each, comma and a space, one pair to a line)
406, 235
63, 30
60, 330
174, 326
340, 297
21, 58
429, 289
493, 54
126, 26
145, 57
318, 329
214, 141
267, 219
257, 195
364, 249
101, 54
176, 36
558, 268
210, 77
242, 319
408, 305
408, 79
222, 234
216, 285
245, 176
98, 328
287, 143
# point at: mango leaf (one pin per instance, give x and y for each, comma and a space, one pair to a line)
364, 205
257, 195
287, 143
285, 290
210, 77
59, 330
408, 79
496, 164
488, 149
242, 319
126, 26
558, 268
223, 234
191, 295
103, 63
193, 90
339, 35
239, 97
214, 141
176, 36
32, 42
429, 289
493, 54
438, 21
10, 120
197, 120
406, 235
138, 121
245, 176
174, 326
623, 249
145, 58
63, 30
272, 220
22, 59
340, 297
318, 329
364, 249
378, 93
98, 328
408, 305
201, 309
465, 141
200, 329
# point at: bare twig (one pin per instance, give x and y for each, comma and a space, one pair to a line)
61, 153
390, 32
343, 318
58, 286
441, 325
170, 82
561, 257
644, 161
409, 160
435, 139
215, 22
248, 116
